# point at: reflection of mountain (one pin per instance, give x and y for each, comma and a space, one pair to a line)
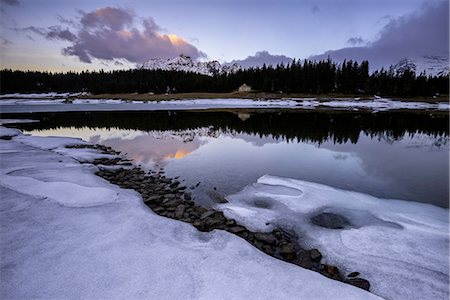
142, 147
315, 126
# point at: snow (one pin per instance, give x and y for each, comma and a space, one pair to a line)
231, 102
401, 247
67, 233
377, 104
380, 104
15, 121
26, 101
97, 101
8, 131
42, 95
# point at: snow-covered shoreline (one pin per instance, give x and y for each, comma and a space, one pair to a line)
67, 233
35, 103
402, 247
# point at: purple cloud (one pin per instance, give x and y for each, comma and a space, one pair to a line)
111, 33
353, 41
262, 57
10, 2
107, 17
416, 35
52, 33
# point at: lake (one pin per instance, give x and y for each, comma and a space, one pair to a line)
398, 155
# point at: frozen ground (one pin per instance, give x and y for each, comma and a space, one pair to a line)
59, 103
67, 233
401, 247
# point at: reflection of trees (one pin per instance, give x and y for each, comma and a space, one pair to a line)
315, 126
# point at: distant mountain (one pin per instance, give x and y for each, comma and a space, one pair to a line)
185, 63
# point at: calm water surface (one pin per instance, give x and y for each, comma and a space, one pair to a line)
389, 155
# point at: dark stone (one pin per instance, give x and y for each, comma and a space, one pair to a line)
216, 197
152, 198
315, 255
266, 238
288, 251
206, 214
330, 220
304, 260
169, 196
359, 282
158, 209
179, 211
172, 203
353, 274
231, 223
236, 229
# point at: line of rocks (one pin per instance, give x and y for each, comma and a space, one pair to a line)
168, 198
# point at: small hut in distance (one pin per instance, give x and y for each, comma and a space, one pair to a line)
244, 88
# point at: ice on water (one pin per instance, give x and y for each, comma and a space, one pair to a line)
66, 233
401, 247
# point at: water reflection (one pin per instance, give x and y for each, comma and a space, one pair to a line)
228, 162
389, 155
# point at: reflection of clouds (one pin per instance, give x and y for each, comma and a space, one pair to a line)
409, 168
340, 156
256, 140
147, 149
140, 146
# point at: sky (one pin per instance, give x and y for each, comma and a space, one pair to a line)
62, 35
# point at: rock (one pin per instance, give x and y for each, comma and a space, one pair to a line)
151, 198
174, 184
172, 203
353, 274
304, 260
266, 238
236, 229
315, 255
187, 196
158, 209
359, 282
330, 220
287, 251
206, 214
179, 211
216, 197
169, 196
230, 223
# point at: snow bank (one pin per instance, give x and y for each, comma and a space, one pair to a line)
401, 247
16, 121
67, 233
384, 104
42, 95
31, 101
97, 101
232, 102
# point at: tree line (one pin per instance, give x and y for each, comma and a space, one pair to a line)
310, 77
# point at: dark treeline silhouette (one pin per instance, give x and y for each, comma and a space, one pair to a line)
322, 77
305, 126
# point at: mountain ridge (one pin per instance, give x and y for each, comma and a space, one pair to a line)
186, 64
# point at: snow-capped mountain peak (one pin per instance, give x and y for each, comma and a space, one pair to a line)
429, 65
186, 64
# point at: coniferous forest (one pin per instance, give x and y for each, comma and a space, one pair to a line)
310, 77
